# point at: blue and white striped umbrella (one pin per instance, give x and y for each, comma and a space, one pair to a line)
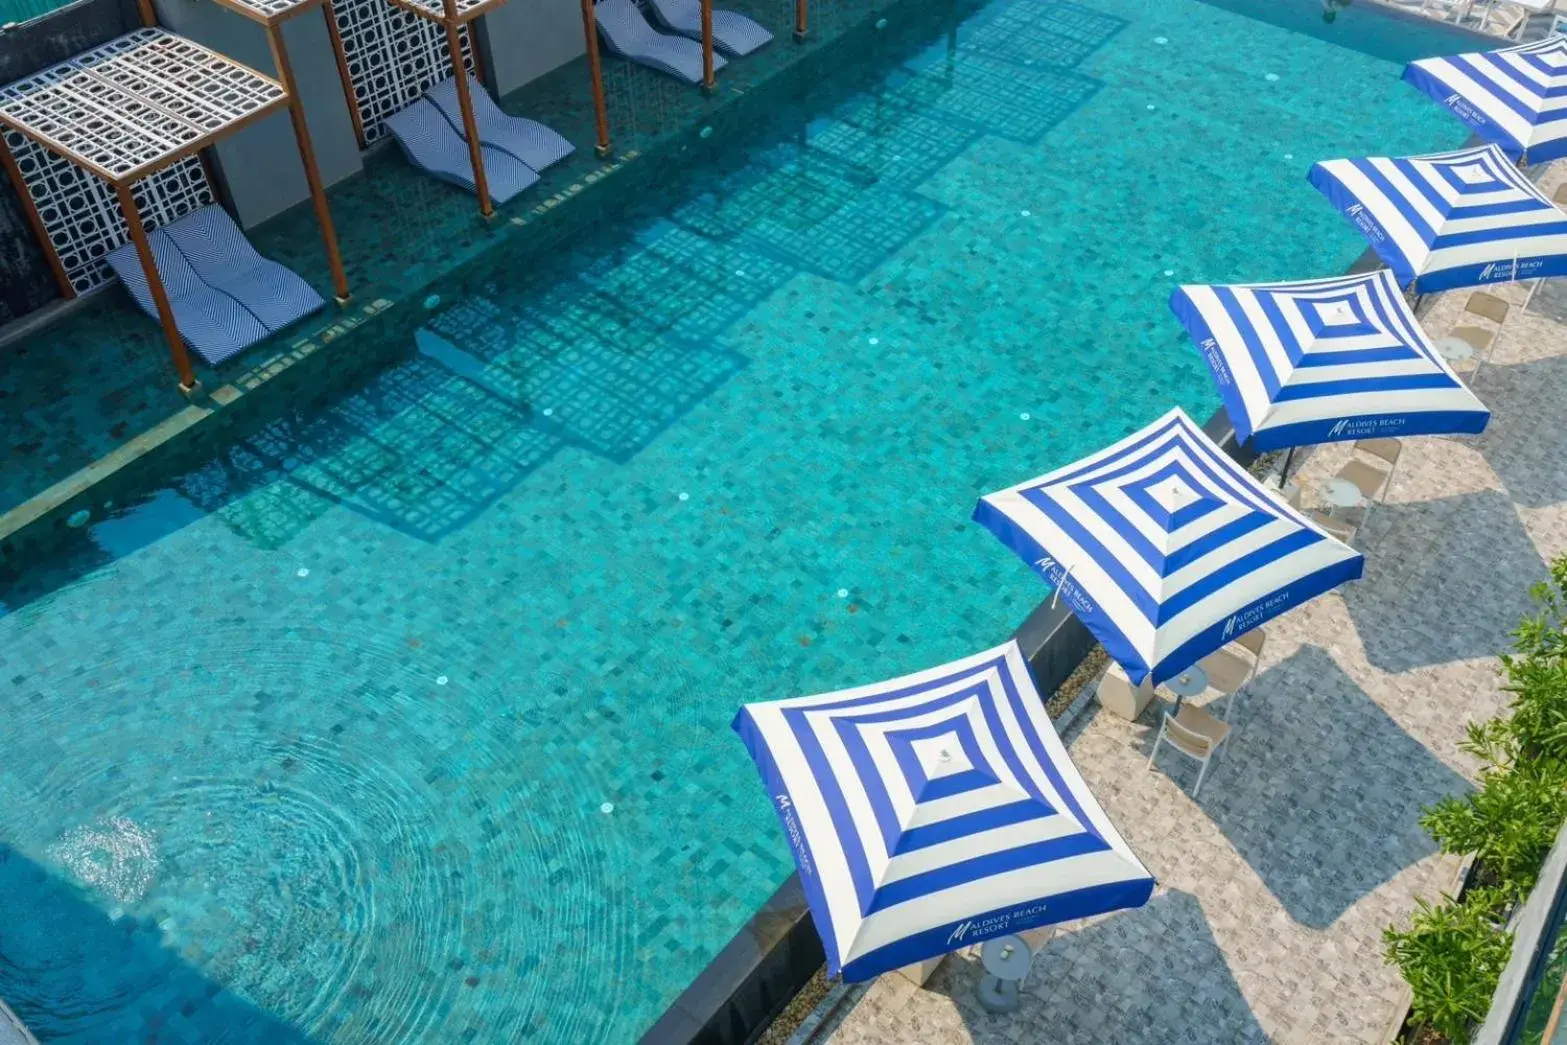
934, 811
1515, 97
1322, 360
1164, 547
1450, 219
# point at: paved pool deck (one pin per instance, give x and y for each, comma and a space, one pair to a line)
1275, 886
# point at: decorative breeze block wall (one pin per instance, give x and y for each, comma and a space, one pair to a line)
393, 57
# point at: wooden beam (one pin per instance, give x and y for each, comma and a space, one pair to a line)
465, 102
596, 72
45, 242
708, 83
307, 155
160, 297
801, 21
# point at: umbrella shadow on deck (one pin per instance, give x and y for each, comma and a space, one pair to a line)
1318, 789
68, 970
1525, 401
1144, 977
1446, 580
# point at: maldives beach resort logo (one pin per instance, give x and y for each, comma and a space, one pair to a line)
796, 836
1056, 577
1365, 427
1464, 111
1365, 222
1507, 271
1221, 372
995, 925
1247, 619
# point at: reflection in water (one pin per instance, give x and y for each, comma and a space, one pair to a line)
112, 854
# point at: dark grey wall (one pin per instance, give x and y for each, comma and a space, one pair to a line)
26, 281
525, 39
259, 165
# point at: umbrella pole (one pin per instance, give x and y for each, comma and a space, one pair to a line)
1285, 474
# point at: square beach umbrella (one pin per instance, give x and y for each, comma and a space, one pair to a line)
1165, 548
1449, 219
1515, 97
1324, 360
936, 810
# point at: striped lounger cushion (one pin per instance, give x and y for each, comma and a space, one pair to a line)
431, 145
528, 140
627, 34
224, 259
210, 321
733, 33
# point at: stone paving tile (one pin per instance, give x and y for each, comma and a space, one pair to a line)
1276, 884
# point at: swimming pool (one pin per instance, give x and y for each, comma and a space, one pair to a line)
408, 719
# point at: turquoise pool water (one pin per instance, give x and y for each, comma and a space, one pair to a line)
407, 720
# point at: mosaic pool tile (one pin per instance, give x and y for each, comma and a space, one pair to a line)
405, 717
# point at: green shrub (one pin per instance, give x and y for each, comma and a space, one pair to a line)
1510, 821
1452, 955
1537, 672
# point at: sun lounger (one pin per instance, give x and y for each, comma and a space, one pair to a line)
211, 322
431, 145
528, 140
733, 33
223, 259
628, 34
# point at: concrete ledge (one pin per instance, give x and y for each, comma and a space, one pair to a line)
12, 1030
1532, 927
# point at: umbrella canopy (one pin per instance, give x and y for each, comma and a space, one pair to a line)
1450, 219
1322, 360
1515, 97
1164, 547
934, 811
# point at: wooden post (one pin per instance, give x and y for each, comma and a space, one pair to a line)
465, 102
801, 23
596, 72
708, 84
160, 297
307, 154
149, 17
342, 72
34, 219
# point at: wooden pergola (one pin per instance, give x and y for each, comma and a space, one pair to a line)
602, 146
451, 16
143, 102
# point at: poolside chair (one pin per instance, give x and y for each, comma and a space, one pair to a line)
1504, 20
1338, 529
1231, 668
211, 322
431, 145
1193, 732
627, 33
530, 141
1370, 481
224, 260
733, 33
1118, 696
1447, 10
1488, 306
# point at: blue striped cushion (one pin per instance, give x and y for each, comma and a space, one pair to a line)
220, 254
431, 145
528, 140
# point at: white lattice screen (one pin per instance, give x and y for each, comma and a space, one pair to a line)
79, 212
393, 57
